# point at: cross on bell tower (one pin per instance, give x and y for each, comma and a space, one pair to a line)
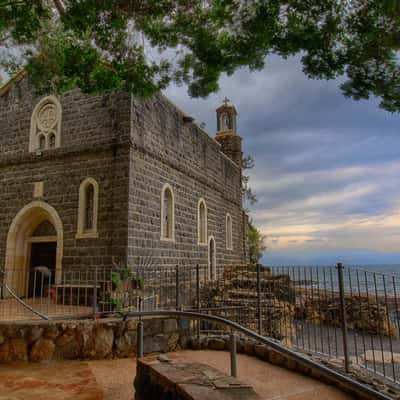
230, 141
226, 117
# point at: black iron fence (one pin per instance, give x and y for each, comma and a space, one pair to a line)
347, 315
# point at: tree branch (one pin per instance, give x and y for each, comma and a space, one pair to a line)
60, 6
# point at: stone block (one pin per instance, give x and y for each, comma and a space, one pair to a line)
13, 350
248, 348
276, 358
155, 344
125, 345
104, 340
216, 344
153, 326
42, 350
170, 325
34, 334
261, 351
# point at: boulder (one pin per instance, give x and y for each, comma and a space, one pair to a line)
103, 341
34, 334
125, 345
42, 350
13, 350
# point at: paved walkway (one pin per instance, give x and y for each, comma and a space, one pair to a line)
69, 380
269, 381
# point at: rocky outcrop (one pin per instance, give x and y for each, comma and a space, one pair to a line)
366, 314
236, 291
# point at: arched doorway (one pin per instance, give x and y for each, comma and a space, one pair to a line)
35, 238
212, 259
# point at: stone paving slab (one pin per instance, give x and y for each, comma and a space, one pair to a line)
72, 380
269, 381
184, 379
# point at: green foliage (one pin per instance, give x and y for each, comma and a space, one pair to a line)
126, 275
248, 196
115, 280
256, 243
115, 304
140, 46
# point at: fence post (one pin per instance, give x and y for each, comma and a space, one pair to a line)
95, 294
177, 288
139, 336
233, 355
198, 296
343, 317
259, 299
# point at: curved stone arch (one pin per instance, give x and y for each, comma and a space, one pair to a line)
203, 203
164, 235
33, 140
82, 233
212, 259
21, 229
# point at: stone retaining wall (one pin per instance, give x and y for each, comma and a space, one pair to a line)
86, 339
263, 352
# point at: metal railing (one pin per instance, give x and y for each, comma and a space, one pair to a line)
342, 380
348, 315
48, 294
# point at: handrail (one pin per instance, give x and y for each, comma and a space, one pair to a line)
336, 376
20, 301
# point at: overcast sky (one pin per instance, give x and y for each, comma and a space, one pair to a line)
327, 167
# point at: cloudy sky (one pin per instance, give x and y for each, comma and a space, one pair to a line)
327, 168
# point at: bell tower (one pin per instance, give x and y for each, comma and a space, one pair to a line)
227, 137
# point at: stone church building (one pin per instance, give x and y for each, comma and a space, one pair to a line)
92, 180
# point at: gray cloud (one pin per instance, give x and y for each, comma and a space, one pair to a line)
327, 167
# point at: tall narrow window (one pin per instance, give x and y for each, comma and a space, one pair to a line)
202, 222
167, 213
88, 225
229, 241
88, 209
42, 142
46, 125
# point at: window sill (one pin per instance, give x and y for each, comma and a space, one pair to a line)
170, 240
203, 244
87, 235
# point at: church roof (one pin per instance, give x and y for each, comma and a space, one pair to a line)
11, 82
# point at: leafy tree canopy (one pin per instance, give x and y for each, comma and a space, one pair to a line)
141, 46
256, 243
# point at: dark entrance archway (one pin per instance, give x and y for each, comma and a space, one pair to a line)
42, 267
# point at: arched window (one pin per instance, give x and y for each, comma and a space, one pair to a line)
46, 125
212, 259
42, 142
229, 241
202, 222
52, 141
88, 209
167, 213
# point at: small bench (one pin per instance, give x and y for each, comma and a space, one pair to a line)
165, 377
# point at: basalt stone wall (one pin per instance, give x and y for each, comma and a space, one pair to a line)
94, 133
87, 339
168, 150
131, 148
